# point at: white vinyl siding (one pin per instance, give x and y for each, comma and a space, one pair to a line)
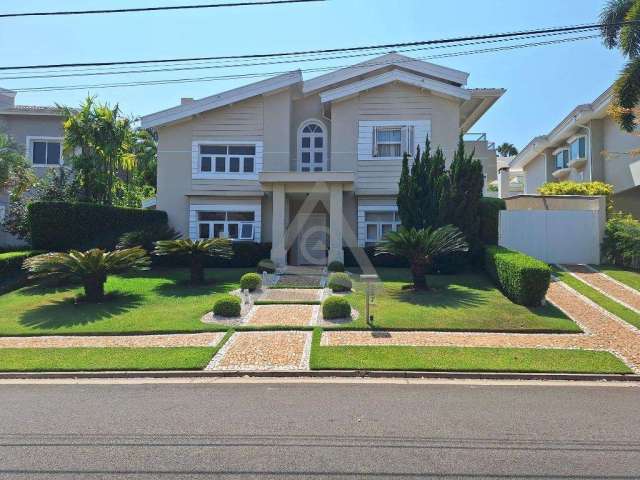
373, 214
225, 219
227, 165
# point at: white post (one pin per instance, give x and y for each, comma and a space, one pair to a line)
503, 183
336, 253
278, 252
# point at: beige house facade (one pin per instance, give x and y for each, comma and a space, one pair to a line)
310, 166
587, 145
39, 131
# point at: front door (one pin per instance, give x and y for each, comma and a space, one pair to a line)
312, 240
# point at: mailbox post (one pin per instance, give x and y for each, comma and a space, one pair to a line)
370, 282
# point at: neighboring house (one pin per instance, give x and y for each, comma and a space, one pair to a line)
39, 130
243, 163
587, 145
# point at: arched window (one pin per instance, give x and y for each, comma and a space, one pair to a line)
312, 147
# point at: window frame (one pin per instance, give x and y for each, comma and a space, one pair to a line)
576, 141
367, 241
32, 139
312, 149
214, 157
244, 159
566, 160
226, 223
399, 128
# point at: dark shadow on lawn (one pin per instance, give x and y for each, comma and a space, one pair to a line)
439, 297
183, 288
48, 288
67, 313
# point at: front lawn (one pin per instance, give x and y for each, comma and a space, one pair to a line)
466, 301
628, 277
96, 359
160, 300
601, 299
463, 359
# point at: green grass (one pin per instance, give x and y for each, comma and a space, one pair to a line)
160, 300
463, 359
467, 301
17, 253
95, 359
605, 302
628, 277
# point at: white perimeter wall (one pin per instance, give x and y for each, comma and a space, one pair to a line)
553, 236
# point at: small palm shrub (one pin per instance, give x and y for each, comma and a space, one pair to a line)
196, 251
91, 268
227, 306
250, 281
421, 247
266, 265
335, 266
336, 307
339, 282
147, 237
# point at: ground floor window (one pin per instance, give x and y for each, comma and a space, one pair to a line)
223, 224
45, 151
378, 223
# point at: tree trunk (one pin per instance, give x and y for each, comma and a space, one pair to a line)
418, 272
94, 289
197, 270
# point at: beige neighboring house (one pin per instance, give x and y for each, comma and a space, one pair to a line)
587, 145
39, 130
241, 163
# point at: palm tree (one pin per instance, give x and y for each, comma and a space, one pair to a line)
421, 247
507, 150
91, 268
147, 238
197, 251
621, 29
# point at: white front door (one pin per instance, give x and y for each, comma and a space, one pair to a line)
312, 240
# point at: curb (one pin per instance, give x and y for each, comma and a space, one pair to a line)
320, 374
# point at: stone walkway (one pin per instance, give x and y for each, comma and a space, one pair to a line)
603, 331
246, 351
79, 341
610, 287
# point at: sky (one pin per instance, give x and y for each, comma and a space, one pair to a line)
543, 83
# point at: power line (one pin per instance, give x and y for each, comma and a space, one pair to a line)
268, 74
522, 33
152, 9
188, 66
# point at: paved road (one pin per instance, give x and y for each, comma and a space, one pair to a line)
176, 431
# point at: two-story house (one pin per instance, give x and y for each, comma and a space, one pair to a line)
310, 165
39, 131
587, 145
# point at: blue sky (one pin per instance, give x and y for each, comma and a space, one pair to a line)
543, 83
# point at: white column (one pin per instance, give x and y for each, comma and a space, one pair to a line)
278, 252
503, 183
336, 253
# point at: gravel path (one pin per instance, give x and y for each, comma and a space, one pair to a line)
621, 293
264, 351
173, 340
603, 331
296, 315
291, 295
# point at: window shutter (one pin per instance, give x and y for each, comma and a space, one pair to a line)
410, 140
404, 137
374, 142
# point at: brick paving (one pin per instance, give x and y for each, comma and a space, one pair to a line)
619, 292
603, 331
291, 295
283, 315
264, 351
79, 341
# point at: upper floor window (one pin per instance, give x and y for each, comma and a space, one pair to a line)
561, 158
378, 223
45, 151
578, 148
227, 158
312, 148
392, 141
222, 224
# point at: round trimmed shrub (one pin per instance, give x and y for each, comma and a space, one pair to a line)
336, 267
250, 281
339, 282
266, 265
227, 306
336, 307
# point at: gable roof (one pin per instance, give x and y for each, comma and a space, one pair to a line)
221, 99
455, 77
350, 89
566, 128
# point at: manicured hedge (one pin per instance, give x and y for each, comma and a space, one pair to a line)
376, 260
489, 215
250, 281
227, 306
335, 266
339, 282
245, 255
336, 307
11, 262
523, 279
60, 226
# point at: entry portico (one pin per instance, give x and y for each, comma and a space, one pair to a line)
301, 203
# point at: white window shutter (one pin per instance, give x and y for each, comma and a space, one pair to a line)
410, 139
374, 142
404, 137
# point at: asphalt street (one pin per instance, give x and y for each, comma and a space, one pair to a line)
318, 430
